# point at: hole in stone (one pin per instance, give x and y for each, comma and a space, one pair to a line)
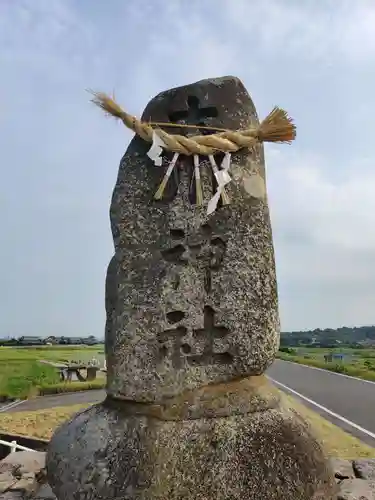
163, 351
218, 241
195, 114
207, 281
195, 244
195, 360
175, 316
185, 348
177, 234
176, 282
174, 254
193, 102
209, 313
177, 116
206, 229
225, 357
214, 443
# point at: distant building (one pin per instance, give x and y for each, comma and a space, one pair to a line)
74, 341
32, 340
367, 343
51, 340
90, 340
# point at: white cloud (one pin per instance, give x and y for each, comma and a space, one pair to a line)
335, 214
324, 240
312, 30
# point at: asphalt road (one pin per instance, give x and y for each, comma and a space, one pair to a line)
345, 401
44, 402
342, 400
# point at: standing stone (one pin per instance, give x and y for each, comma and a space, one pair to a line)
192, 324
198, 294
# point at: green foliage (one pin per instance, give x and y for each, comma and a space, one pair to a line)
20, 380
366, 353
362, 370
329, 337
369, 364
339, 368
288, 350
23, 375
71, 387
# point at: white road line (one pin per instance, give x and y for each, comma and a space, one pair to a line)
323, 408
327, 371
11, 405
5, 407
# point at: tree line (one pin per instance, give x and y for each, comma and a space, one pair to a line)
357, 336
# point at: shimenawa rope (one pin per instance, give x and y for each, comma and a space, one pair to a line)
276, 127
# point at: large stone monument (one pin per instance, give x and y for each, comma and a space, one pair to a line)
192, 325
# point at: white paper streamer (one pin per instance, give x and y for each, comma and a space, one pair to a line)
155, 150
171, 166
222, 178
196, 167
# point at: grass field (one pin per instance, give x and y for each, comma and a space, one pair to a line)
22, 374
42, 424
356, 362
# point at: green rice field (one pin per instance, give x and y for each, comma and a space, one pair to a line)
23, 375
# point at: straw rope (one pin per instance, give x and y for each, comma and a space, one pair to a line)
276, 127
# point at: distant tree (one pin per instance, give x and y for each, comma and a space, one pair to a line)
288, 350
329, 337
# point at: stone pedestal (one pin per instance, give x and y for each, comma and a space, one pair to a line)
192, 324
230, 441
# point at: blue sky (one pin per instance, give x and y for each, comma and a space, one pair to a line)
59, 155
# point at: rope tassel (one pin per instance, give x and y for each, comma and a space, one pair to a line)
159, 193
198, 183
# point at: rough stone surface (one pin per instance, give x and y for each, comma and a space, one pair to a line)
357, 489
192, 324
13, 495
343, 469
354, 479
22, 477
166, 252
45, 493
110, 307
365, 469
25, 461
6, 481
268, 454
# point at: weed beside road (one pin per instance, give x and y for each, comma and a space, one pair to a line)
62, 387
358, 363
19, 380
